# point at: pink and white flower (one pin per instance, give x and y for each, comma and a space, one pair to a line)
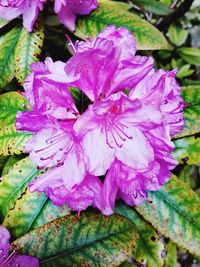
68, 9
29, 9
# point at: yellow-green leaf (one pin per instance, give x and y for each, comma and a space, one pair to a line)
92, 240
27, 51
116, 13
175, 212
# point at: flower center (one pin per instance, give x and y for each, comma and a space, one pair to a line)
11, 3
116, 132
54, 149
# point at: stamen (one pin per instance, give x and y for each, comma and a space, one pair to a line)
71, 43
10, 257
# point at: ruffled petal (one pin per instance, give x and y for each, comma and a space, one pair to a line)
67, 17
9, 13
30, 14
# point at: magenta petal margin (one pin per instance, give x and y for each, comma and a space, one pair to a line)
124, 135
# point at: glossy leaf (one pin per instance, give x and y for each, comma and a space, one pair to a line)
153, 6
28, 50
14, 183
187, 150
175, 212
171, 259
191, 95
150, 247
7, 48
116, 13
177, 35
30, 211
190, 55
12, 141
92, 240
10, 103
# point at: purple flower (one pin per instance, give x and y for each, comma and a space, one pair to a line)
124, 134
68, 9
13, 259
162, 90
131, 133
29, 9
53, 143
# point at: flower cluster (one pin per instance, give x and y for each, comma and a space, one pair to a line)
14, 259
123, 135
29, 9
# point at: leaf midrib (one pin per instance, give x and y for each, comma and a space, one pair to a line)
18, 188
171, 203
74, 249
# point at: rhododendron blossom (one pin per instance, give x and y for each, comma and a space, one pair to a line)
124, 133
68, 9
29, 9
13, 259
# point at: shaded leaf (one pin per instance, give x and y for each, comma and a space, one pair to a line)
27, 51
7, 48
92, 240
171, 259
13, 184
187, 150
191, 96
116, 13
175, 212
10, 162
190, 55
153, 6
149, 248
177, 35
10, 103
12, 141
190, 175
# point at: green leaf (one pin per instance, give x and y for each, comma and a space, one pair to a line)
92, 240
10, 103
12, 141
187, 150
27, 51
14, 183
190, 55
149, 248
10, 162
153, 6
30, 211
7, 48
184, 71
116, 13
3, 22
177, 35
191, 96
175, 212
171, 259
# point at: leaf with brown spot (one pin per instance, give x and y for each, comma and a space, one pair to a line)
175, 212
150, 247
92, 240
28, 50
